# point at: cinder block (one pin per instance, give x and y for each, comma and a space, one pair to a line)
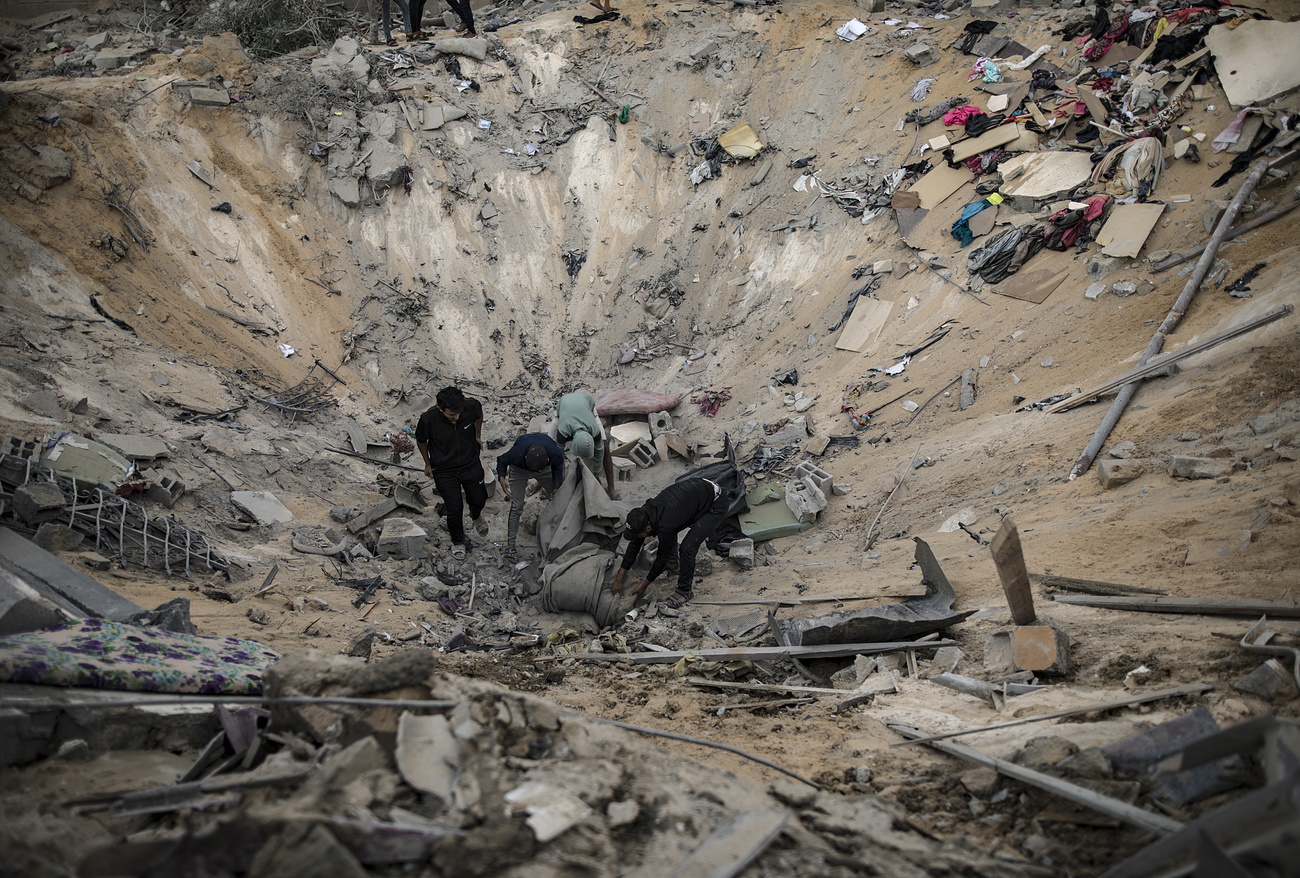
623, 469
818, 476
643, 454
660, 422
1114, 473
165, 490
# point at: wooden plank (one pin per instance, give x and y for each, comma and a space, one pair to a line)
1089, 586
1130, 814
1193, 606
986, 141
868, 318
1095, 707
733, 846
1010, 561
885, 591
752, 653
356, 438
1158, 363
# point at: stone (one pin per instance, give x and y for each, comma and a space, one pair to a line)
871, 6
305, 848
402, 538
54, 537
980, 781
341, 514
44, 403
1123, 450
1114, 473
344, 61
1124, 288
804, 499
882, 266
209, 97
44, 167
1045, 752
794, 431
97, 41
741, 553
816, 445
262, 506
705, 49
1181, 467
75, 750
953, 523
470, 47
96, 561
174, 616
921, 54
1269, 421
386, 165
1093, 291
38, 502
380, 125
1213, 210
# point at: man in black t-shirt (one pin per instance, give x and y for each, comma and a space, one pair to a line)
450, 436
698, 504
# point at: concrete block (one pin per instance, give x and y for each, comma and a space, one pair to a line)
23, 608
741, 553
816, 445
660, 422
23, 449
209, 97
1114, 473
804, 499
1200, 467
1040, 648
705, 49
623, 469
921, 54
165, 490
402, 538
643, 454
67, 587
262, 506
819, 477
38, 502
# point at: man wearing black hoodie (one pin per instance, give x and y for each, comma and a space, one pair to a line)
698, 504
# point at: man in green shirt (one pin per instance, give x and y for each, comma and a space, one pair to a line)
579, 426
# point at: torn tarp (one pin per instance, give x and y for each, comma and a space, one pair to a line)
892, 622
580, 507
575, 581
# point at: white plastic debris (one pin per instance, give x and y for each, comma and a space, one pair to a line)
484, 124
286, 350
551, 810
851, 30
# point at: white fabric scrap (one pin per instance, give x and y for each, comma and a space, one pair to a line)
286, 350
1021, 65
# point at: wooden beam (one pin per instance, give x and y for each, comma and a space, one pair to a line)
1010, 561
1089, 586
1193, 606
751, 653
1097, 707
1158, 363
1130, 814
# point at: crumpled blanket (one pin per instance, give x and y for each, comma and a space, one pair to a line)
575, 581
100, 654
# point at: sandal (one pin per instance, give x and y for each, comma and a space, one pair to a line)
675, 601
458, 552
481, 526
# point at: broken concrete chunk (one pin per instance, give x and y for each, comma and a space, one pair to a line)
921, 54
209, 97
1114, 473
741, 553
38, 502
262, 506
805, 499
402, 538
428, 754
44, 403
1199, 467
468, 46
1256, 61
136, 446
44, 167
344, 61
1042, 649
552, 810
54, 537
1043, 177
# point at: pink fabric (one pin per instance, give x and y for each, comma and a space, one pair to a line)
959, 115
1230, 135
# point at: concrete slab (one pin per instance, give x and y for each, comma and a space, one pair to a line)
87, 461
770, 521
402, 538
263, 506
1128, 227
1256, 61
23, 608
1044, 177
136, 446
63, 585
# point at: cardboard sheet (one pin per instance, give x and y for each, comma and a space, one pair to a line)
942, 181
868, 318
982, 223
1128, 227
1032, 286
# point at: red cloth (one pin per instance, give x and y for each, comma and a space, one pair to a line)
959, 115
